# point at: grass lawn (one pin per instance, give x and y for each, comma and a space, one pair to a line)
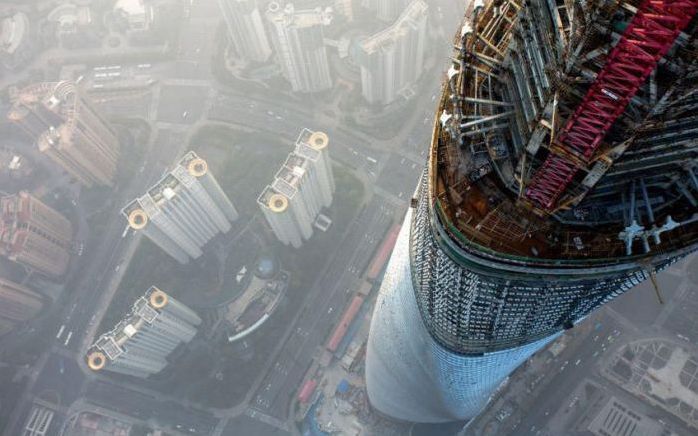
243, 163
150, 266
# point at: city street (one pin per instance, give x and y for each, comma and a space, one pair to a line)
150, 408
556, 399
324, 306
183, 97
577, 362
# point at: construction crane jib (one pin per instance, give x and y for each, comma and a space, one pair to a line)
648, 37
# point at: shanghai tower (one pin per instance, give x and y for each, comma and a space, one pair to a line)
562, 171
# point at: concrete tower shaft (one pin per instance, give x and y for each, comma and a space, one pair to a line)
518, 230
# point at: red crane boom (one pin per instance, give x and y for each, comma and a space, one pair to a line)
648, 37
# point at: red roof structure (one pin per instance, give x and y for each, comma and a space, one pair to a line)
307, 390
383, 253
345, 322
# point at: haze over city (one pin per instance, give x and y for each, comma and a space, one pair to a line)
348, 217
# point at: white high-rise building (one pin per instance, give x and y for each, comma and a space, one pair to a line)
246, 29
298, 40
345, 8
184, 210
393, 59
303, 186
140, 343
386, 10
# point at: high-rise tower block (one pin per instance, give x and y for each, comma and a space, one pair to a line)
183, 211
562, 172
68, 130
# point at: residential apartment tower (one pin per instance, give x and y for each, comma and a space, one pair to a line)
302, 187
183, 211
299, 45
68, 130
392, 60
141, 342
34, 234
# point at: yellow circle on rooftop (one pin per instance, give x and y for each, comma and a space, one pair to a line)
158, 299
319, 140
197, 167
137, 219
96, 360
278, 203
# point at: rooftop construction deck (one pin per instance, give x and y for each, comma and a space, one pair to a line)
538, 159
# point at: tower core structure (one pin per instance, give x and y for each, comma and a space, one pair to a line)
561, 173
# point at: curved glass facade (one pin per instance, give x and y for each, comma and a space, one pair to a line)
443, 336
409, 375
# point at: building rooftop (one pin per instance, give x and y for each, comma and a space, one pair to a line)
13, 30
486, 149
189, 167
300, 18
619, 419
110, 345
388, 36
256, 304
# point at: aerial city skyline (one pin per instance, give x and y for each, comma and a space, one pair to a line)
351, 217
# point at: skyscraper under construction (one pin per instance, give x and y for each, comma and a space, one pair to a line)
561, 173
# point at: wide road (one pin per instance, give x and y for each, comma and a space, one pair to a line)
106, 258
574, 364
287, 121
150, 408
325, 305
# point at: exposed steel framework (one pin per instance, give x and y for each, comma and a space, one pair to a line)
649, 36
